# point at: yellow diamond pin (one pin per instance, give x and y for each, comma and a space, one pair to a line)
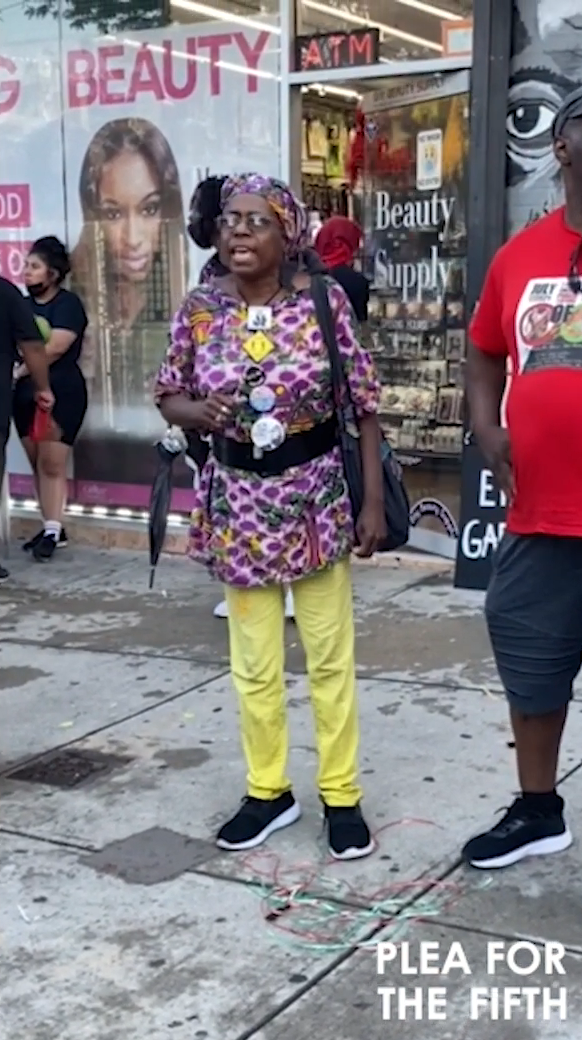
258, 347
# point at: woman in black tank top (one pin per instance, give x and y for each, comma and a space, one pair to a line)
62, 322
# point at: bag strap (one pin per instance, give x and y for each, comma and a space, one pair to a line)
326, 323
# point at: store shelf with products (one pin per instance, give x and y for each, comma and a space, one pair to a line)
416, 245
328, 123
419, 349
415, 248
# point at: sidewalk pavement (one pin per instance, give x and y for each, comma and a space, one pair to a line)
119, 920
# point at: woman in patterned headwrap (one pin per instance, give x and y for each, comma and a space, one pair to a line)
204, 214
247, 363
203, 218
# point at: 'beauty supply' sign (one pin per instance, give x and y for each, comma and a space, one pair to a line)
411, 280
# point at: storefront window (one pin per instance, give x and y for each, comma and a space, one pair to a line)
41, 19
408, 29
108, 122
392, 153
262, 12
414, 199
327, 127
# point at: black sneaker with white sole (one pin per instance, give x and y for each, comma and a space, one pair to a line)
525, 830
256, 820
348, 834
4, 575
30, 545
45, 549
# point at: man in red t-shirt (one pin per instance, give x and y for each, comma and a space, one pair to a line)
530, 311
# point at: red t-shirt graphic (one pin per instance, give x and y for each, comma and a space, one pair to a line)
529, 313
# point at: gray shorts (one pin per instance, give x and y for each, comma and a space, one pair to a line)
534, 615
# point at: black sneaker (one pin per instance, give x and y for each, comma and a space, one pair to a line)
523, 831
256, 820
348, 834
30, 545
4, 575
45, 549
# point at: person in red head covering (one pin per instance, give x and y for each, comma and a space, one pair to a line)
337, 243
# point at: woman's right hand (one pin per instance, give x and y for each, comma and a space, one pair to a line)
213, 413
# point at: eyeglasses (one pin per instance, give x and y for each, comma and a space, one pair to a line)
252, 221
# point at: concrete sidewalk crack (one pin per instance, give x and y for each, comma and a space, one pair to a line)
150, 708
209, 662
59, 843
509, 937
342, 958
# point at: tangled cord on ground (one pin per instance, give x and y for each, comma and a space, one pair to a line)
309, 909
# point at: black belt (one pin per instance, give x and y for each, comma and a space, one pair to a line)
295, 450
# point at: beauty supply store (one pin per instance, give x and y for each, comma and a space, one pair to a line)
365, 112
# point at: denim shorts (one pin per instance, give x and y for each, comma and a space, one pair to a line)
534, 615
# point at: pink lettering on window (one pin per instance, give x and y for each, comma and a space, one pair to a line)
12, 258
15, 206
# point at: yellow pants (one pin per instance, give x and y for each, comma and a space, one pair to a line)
324, 616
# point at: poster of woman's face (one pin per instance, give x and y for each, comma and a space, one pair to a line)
130, 268
546, 66
130, 203
132, 244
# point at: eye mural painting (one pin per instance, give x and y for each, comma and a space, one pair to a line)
546, 66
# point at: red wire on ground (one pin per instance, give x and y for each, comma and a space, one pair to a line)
299, 899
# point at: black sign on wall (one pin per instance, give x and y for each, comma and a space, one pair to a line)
337, 50
486, 233
482, 520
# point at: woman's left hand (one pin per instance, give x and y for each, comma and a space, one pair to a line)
371, 528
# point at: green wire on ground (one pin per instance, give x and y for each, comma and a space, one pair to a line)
310, 923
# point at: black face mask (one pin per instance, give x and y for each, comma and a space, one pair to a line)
37, 289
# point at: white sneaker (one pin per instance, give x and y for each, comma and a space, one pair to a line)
221, 610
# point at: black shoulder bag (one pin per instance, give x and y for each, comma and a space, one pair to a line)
396, 502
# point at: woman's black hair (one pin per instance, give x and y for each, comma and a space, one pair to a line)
205, 209
54, 254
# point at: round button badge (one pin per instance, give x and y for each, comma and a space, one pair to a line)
262, 399
267, 433
254, 376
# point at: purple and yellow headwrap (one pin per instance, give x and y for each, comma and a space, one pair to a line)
290, 212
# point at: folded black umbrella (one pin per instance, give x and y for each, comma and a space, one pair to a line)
176, 442
160, 498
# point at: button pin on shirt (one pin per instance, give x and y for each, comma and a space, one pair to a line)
254, 376
259, 319
262, 399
